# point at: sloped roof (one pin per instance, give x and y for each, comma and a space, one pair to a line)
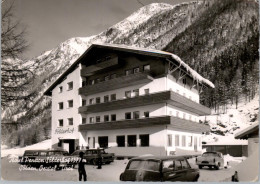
125, 48
243, 134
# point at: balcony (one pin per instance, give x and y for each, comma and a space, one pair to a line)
119, 82
171, 122
168, 97
87, 71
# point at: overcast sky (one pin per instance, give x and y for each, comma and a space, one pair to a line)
50, 22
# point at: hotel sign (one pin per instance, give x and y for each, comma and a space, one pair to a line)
64, 131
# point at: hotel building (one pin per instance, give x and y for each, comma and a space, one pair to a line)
130, 100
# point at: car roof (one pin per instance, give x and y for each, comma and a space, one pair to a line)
158, 158
45, 150
212, 152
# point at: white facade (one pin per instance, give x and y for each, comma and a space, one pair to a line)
155, 139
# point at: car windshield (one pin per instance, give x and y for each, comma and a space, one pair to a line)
209, 154
31, 153
144, 165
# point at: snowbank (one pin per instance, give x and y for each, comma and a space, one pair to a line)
14, 152
248, 170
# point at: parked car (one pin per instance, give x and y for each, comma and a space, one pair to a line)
91, 155
152, 168
210, 159
36, 158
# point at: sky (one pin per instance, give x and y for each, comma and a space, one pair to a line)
50, 22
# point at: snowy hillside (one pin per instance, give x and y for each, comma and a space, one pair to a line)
231, 122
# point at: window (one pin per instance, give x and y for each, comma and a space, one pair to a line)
184, 164
113, 97
183, 140
84, 102
147, 68
146, 114
70, 121
70, 103
91, 120
128, 115
168, 165
91, 82
97, 119
60, 122
113, 76
107, 78
146, 91
84, 120
189, 141
106, 98
98, 100
136, 70
136, 114
120, 140
128, 94
60, 105
169, 143
91, 101
131, 140
113, 117
106, 118
70, 85
60, 89
177, 140
136, 92
184, 81
83, 83
178, 165
144, 140
128, 72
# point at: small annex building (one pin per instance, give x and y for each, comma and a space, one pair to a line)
130, 100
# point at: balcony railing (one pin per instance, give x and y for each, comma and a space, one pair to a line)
119, 82
171, 122
168, 97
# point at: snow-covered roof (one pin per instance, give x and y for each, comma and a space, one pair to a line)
192, 72
248, 130
122, 47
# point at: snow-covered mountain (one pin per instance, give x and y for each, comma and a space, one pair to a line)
159, 26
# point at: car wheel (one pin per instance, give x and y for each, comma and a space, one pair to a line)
197, 178
200, 166
217, 166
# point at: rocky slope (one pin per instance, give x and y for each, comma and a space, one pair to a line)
199, 32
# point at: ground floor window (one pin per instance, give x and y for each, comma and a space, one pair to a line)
144, 139
103, 141
177, 140
131, 140
169, 140
120, 140
189, 140
183, 140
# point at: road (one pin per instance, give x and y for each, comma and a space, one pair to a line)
111, 172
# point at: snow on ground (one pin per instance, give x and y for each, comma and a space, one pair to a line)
231, 122
14, 152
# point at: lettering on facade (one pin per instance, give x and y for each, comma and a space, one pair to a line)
64, 131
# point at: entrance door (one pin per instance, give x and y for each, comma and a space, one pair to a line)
66, 146
195, 144
103, 141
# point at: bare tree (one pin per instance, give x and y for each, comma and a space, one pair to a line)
15, 73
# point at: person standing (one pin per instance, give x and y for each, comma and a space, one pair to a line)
99, 159
81, 167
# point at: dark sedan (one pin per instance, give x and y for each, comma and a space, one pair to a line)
153, 168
